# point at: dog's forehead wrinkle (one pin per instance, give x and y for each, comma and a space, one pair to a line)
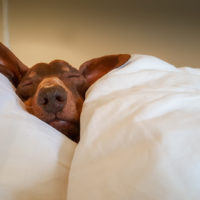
63, 65
56, 67
41, 69
52, 81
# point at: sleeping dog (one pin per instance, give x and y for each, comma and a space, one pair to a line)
55, 92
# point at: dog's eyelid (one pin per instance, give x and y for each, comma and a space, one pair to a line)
27, 83
72, 75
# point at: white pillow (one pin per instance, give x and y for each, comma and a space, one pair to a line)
140, 135
34, 158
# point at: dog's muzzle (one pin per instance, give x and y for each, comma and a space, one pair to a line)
52, 99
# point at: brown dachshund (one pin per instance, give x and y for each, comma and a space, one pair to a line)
55, 92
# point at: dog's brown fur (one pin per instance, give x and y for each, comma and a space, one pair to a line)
55, 92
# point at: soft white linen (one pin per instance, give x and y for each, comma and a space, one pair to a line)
34, 158
140, 135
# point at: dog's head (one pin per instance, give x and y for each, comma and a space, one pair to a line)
55, 92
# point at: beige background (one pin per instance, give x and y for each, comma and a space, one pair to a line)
77, 30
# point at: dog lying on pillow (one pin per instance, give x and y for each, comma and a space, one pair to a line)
54, 92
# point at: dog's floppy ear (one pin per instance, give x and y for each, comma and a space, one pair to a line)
94, 69
11, 66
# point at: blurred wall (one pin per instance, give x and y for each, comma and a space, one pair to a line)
1, 26
77, 30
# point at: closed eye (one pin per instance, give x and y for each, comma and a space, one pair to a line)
73, 76
26, 83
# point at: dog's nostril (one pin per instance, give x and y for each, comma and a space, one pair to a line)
60, 98
45, 101
52, 99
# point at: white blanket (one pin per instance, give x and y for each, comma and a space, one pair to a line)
140, 135
140, 139
34, 158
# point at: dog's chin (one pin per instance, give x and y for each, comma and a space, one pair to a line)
70, 129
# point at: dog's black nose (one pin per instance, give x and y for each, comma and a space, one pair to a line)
52, 99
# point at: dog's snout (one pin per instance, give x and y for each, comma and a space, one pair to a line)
52, 99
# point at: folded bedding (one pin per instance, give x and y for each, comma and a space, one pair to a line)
34, 158
140, 137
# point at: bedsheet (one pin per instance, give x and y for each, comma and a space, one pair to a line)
140, 135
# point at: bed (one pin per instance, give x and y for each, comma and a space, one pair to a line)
140, 139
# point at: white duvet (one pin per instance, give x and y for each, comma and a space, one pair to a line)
140, 139
140, 135
34, 158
